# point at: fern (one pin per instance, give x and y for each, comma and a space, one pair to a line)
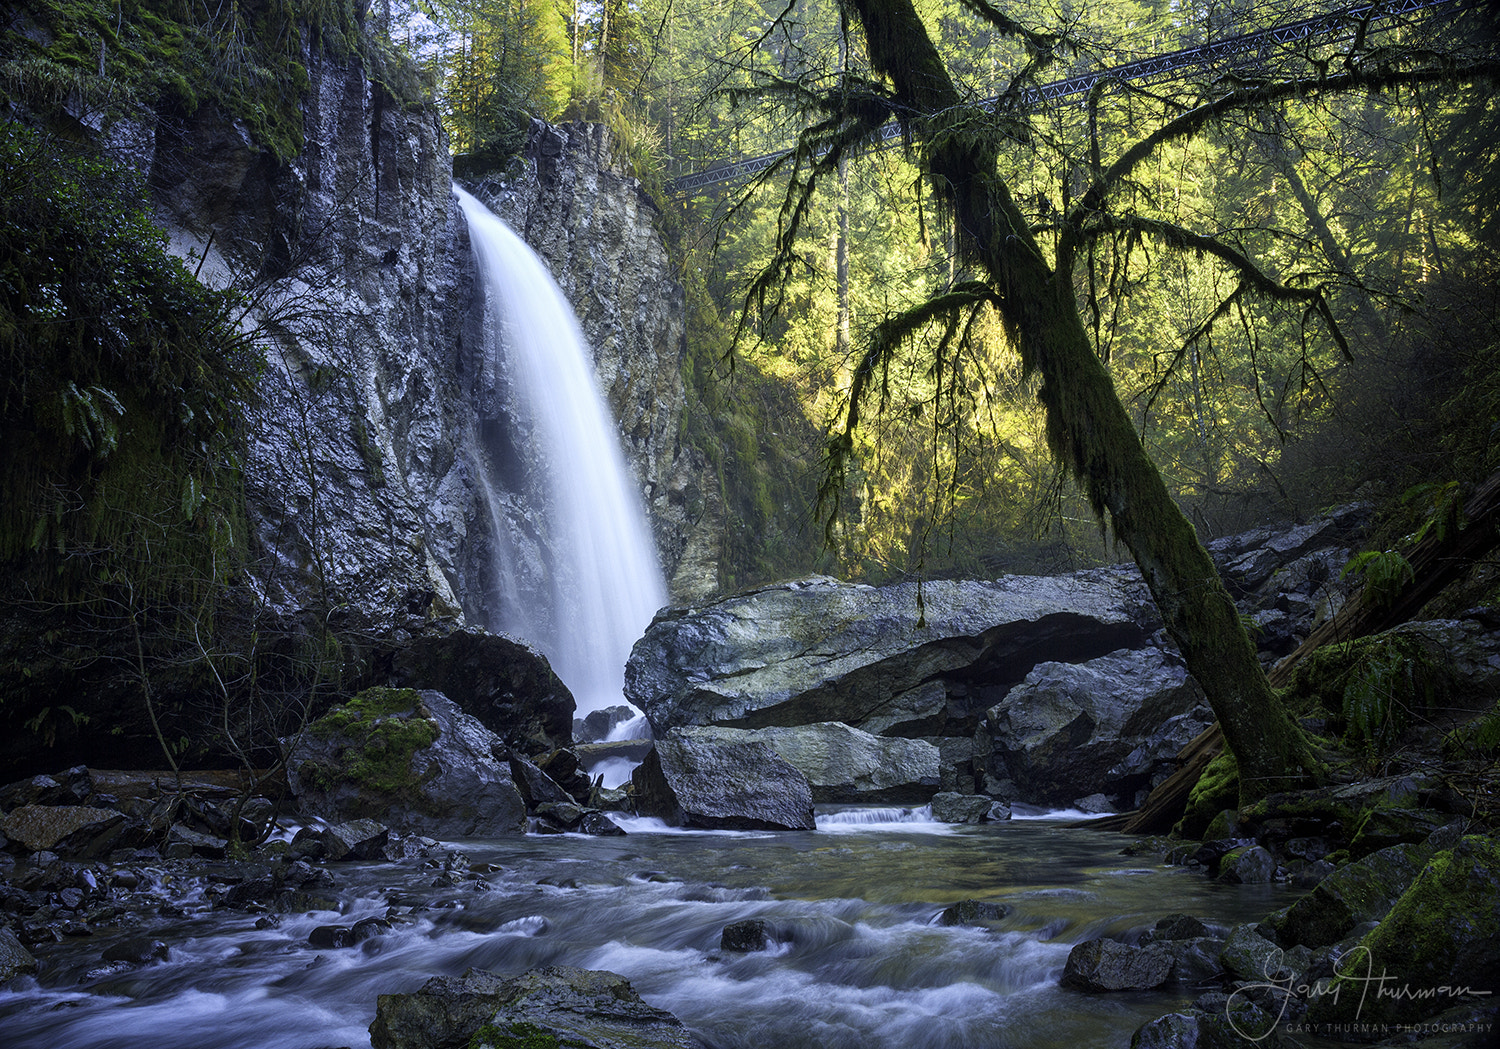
1480, 738
1386, 574
1444, 508
1373, 710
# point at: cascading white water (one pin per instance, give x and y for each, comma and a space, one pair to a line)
605, 581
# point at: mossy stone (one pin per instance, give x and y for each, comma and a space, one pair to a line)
1441, 937
1216, 790
1358, 892
382, 729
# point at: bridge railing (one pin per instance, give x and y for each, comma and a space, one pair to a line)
1334, 25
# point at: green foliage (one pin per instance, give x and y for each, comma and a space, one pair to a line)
751, 429
1372, 687
1478, 739
243, 58
1442, 508
1386, 574
500, 64
122, 383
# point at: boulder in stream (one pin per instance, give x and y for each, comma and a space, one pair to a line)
1104, 965
716, 784
555, 1005
749, 935
15, 959
1066, 730
875, 657
51, 827
1439, 945
412, 759
844, 764
950, 807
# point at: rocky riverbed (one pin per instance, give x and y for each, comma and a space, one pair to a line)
876, 927
874, 876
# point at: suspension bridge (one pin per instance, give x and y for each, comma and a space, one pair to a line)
1331, 27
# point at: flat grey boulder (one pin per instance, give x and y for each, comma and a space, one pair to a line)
951, 807
554, 1005
844, 764
872, 657
410, 759
1067, 730
719, 784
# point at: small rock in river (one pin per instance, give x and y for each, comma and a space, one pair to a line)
752, 934
336, 936
138, 950
973, 912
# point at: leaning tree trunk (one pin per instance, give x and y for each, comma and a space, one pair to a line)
1087, 425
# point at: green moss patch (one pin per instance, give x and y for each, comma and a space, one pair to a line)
376, 734
515, 1036
1441, 938
245, 60
1216, 790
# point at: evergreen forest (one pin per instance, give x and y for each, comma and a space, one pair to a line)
1054, 420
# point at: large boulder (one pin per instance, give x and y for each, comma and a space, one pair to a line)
555, 1005
1358, 892
721, 784
47, 827
15, 959
1098, 966
410, 759
844, 764
504, 682
1067, 730
885, 659
1439, 945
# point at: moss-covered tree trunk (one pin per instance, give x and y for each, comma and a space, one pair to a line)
1086, 422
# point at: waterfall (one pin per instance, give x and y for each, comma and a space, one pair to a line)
604, 581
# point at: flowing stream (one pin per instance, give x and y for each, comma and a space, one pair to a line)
864, 964
605, 583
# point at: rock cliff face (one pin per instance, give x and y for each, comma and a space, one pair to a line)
363, 494
356, 492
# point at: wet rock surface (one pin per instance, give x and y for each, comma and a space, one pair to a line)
412, 758
1104, 965
701, 783
1096, 723
553, 1005
844, 764
819, 650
